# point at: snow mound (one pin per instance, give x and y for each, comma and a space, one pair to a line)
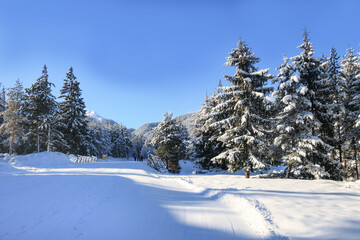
41, 160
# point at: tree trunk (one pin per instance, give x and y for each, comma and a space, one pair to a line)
356, 162
340, 153
37, 136
12, 138
340, 149
49, 138
288, 170
247, 174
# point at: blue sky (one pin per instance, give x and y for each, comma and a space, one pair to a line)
135, 60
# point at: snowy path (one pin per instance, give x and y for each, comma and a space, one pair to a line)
45, 196
118, 200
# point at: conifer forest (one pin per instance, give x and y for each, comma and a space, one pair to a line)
306, 117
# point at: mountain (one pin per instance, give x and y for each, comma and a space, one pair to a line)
96, 117
146, 130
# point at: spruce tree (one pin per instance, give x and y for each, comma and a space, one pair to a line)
335, 97
169, 137
206, 144
39, 107
350, 73
72, 116
13, 118
2, 102
240, 114
3, 137
298, 123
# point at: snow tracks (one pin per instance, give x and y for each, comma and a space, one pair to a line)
243, 212
43, 199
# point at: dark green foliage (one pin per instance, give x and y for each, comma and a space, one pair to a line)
240, 114
72, 116
168, 140
39, 108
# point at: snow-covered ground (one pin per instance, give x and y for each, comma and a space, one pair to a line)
46, 196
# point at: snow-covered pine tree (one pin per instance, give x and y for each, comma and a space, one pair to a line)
73, 118
2, 102
240, 114
39, 107
323, 102
304, 151
13, 118
334, 96
206, 144
287, 100
121, 144
99, 138
3, 137
168, 140
350, 73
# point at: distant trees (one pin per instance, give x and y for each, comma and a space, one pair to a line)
12, 117
32, 120
109, 138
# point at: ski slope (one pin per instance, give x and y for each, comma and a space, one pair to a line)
46, 196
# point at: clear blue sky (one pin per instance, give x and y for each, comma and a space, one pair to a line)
135, 60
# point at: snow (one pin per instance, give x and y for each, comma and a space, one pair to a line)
46, 196
92, 114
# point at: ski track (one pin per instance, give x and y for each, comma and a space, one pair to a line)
244, 203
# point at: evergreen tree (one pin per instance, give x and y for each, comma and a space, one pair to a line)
3, 137
298, 124
73, 118
206, 144
335, 97
323, 100
169, 137
12, 126
350, 73
240, 114
2, 103
39, 107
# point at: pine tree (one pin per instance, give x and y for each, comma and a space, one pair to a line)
350, 73
298, 124
3, 137
240, 114
323, 101
206, 144
335, 97
2, 103
73, 118
12, 116
39, 107
169, 137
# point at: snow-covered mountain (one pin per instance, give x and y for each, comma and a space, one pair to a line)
93, 115
146, 130
96, 117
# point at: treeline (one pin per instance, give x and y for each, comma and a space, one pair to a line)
310, 122
34, 120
